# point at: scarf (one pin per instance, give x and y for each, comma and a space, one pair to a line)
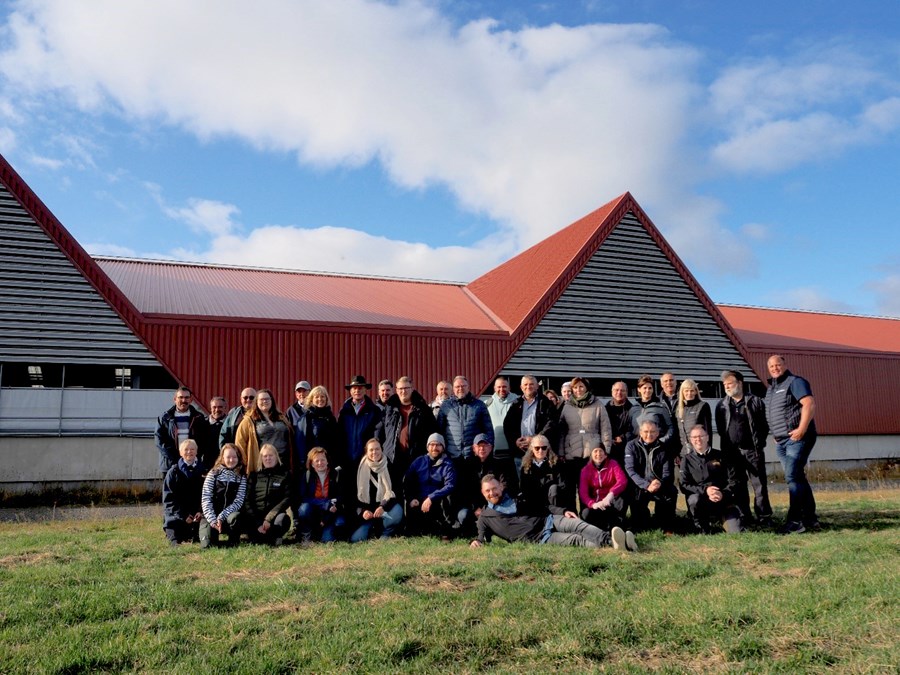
377, 474
582, 402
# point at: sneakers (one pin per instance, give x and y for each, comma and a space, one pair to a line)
792, 527
617, 534
630, 541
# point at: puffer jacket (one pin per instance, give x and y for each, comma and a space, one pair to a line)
460, 421
357, 429
583, 427
695, 412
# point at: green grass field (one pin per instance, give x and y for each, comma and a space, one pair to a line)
103, 595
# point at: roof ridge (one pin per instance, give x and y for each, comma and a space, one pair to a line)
808, 311
274, 270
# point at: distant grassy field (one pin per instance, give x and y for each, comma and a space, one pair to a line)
104, 595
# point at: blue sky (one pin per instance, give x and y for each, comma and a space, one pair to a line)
437, 139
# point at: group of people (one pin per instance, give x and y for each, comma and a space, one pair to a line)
562, 469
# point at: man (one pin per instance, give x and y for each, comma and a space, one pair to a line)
209, 448
500, 518
498, 407
235, 415
649, 468
618, 409
385, 391
530, 415
405, 428
669, 398
566, 392
743, 429
708, 481
790, 409
429, 487
649, 407
358, 419
178, 423
462, 418
442, 391
296, 415
480, 463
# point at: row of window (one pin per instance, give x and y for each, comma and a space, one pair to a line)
58, 375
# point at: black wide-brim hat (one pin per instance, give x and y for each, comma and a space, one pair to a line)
358, 381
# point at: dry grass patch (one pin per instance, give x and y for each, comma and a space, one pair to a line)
32, 558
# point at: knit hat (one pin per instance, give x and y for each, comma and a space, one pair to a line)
437, 438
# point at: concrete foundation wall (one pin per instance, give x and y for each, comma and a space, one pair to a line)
39, 463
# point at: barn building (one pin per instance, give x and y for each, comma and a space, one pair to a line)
92, 348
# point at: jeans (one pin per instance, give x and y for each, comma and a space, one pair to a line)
793, 456
576, 532
388, 525
313, 521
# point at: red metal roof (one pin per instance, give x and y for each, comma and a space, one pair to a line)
170, 288
516, 288
782, 328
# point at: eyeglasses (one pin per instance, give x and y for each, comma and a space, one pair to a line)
542, 448
246, 398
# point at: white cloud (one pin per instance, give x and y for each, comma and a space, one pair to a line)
51, 163
343, 250
756, 231
813, 299
7, 140
887, 293
98, 248
534, 127
777, 115
206, 216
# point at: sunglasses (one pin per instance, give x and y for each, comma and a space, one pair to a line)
540, 447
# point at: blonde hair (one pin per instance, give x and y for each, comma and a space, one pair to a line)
264, 448
315, 392
240, 469
315, 452
686, 384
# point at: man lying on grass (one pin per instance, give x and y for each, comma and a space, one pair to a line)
500, 517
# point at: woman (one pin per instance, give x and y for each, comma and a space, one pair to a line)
269, 497
264, 423
321, 425
321, 512
377, 507
553, 396
539, 481
602, 491
691, 411
223, 496
583, 426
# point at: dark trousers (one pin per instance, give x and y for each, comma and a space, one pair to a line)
664, 510
209, 536
709, 517
751, 465
608, 518
278, 528
570, 475
178, 531
442, 519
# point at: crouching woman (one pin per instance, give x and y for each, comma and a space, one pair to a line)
269, 496
379, 511
223, 496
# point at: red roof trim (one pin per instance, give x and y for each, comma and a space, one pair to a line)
80, 258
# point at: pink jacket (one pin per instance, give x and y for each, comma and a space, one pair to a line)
596, 483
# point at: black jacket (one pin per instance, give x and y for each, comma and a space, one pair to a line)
534, 485
167, 439
545, 423
322, 432
181, 492
269, 492
357, 429
473, 470
513, 527
699, 472
421, 425
755, 415
645, 462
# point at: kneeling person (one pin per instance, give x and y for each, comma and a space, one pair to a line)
429, 487
181, 495
500, 518
708, 482
223, 496
269, 498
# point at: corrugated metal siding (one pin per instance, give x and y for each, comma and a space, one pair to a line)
222, 360
855, 394
626, 313
48, 310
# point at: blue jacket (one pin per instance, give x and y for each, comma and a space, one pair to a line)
434, 479
181, 491
460, 420
643, 463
